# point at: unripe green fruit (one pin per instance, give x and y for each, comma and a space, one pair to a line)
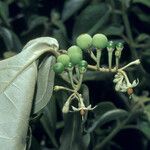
75, 54
83, 63
64, 59
74, 49
58, 68
99, 41
75, 58
111, 45
84, 41
119, 46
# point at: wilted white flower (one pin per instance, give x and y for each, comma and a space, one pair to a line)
123, 84
83, 109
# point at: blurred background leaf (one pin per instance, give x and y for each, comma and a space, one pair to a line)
120, 20
75, 5
144, 2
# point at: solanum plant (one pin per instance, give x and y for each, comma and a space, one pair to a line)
27, 86
71, 62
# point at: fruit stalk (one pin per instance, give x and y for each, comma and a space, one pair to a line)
117, 63
98, 57
71, 78
93, 56
110, 49
110, 59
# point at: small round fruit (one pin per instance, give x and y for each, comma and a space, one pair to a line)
119, 46
99, 41
84, 41
64, 59
83, 63
58, 68
111, 45
75, 58
74, 49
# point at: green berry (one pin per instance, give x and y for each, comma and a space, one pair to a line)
74, 49
58, 68
64, 59
99, 41
84, 41
75, 54
83, 63
111, 45
75, 58
119, 46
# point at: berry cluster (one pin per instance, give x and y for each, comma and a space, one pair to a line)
71, 61
74, 55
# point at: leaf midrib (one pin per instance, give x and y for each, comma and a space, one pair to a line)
24, 68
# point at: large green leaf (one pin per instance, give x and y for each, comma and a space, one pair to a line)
18, 78
102, 108
15, 104
61, 38
75, 5
141, 14
7, 37
35, 21
48, 120
143, 37
144, 2
10, 39
145, 128
17, 45
113, 30
9, 1
35, 144
72, 133
45, 83
91, 19
4, 13
107, 117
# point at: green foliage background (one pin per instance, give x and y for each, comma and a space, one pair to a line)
120, 20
